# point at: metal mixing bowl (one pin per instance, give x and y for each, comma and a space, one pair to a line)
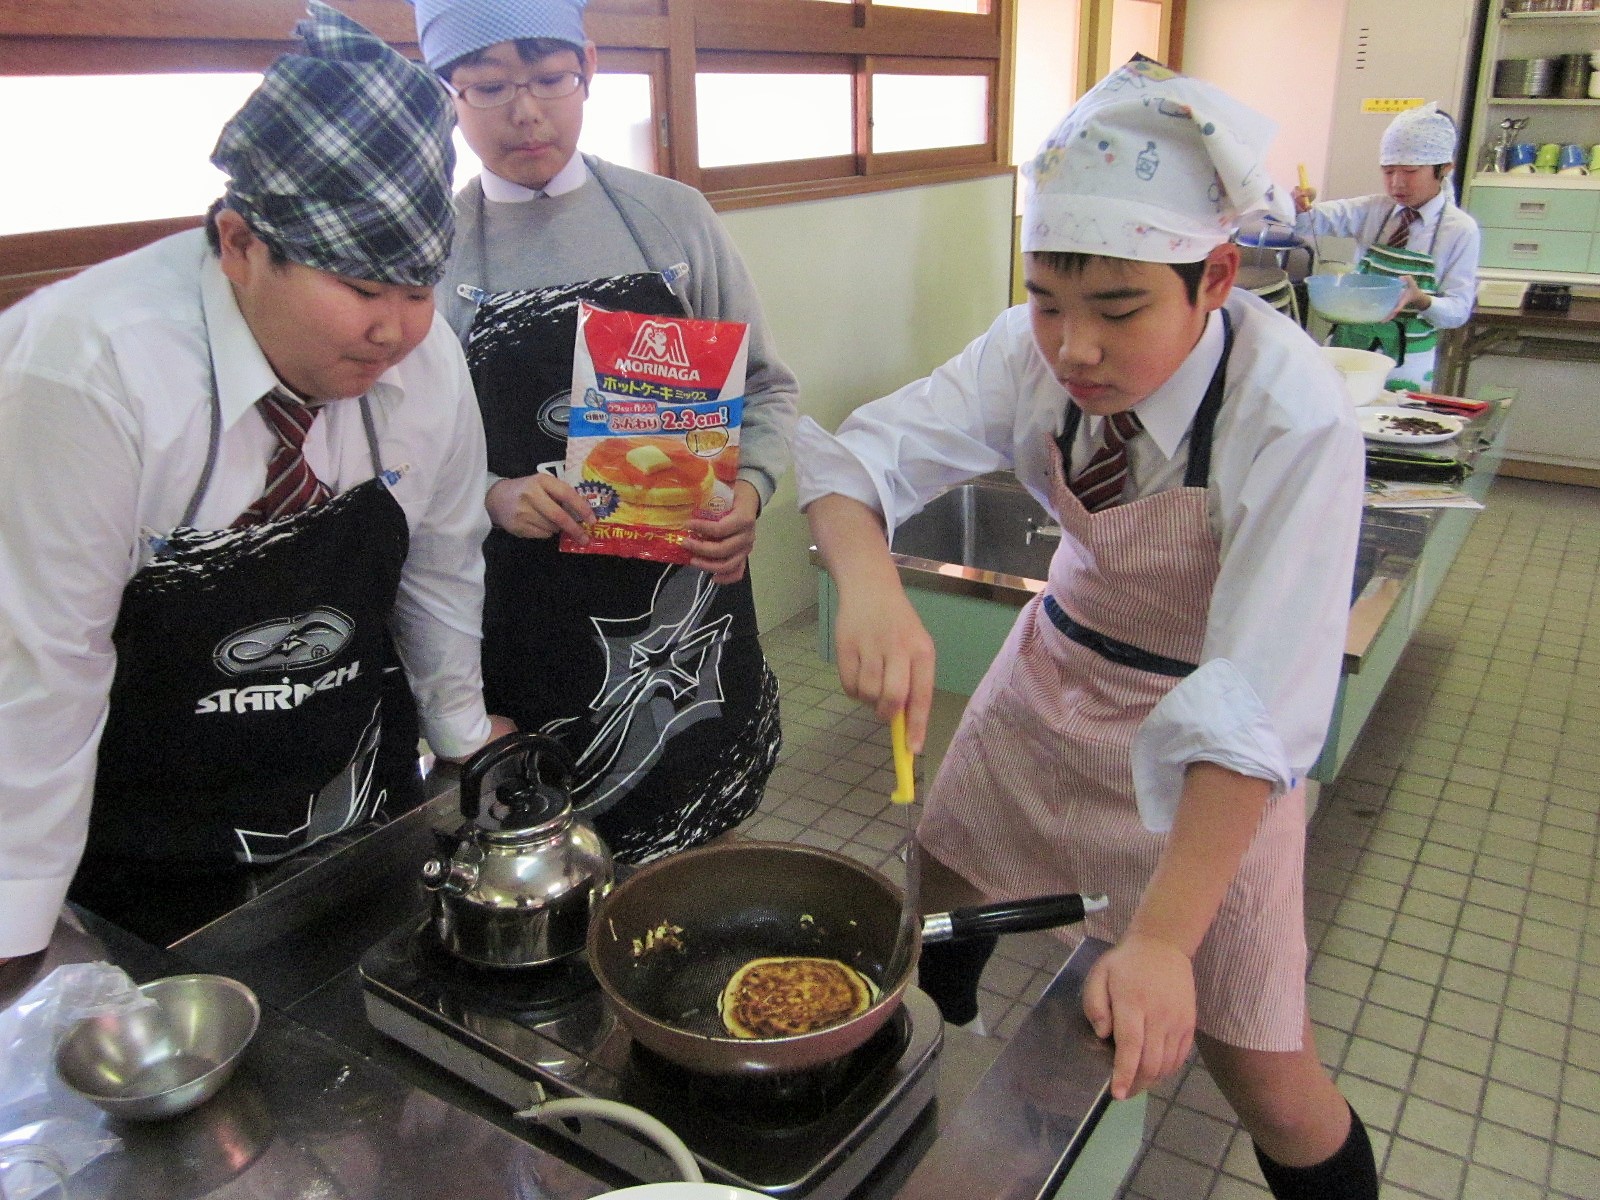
162, 1059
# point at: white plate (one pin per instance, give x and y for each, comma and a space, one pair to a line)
1377, 424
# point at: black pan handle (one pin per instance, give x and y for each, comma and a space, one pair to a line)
1011, 916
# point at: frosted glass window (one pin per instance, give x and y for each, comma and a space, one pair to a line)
960, 6
922, 112
103, 149
759, 118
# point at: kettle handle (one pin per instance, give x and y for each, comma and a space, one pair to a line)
532, 747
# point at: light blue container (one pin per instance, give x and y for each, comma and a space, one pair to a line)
1355, 298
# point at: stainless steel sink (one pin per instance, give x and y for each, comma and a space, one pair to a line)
995, 528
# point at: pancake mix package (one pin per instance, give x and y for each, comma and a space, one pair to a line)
653, 436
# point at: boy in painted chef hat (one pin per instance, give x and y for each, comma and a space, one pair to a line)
1413, 230
1145, 729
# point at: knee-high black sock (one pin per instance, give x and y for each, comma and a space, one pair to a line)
949, 972
1350, 1174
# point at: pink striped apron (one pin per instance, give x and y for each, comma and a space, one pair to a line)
1035, 794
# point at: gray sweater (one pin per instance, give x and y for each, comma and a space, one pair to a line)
579, 235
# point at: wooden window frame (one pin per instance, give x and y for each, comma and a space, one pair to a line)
671, 41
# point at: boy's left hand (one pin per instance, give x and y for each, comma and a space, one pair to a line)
1141, 994
722, 547
1413, 298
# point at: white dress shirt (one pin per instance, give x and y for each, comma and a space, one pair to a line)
105, 408
1287, 477
1443, 230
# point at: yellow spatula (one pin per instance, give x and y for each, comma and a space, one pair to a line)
905, 792
905, 784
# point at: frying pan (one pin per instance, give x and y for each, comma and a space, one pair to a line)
745, 899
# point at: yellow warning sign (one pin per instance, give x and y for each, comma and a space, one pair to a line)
1390, 104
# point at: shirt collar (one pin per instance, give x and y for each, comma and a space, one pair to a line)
1429, 212
1168, 412
242, 372
570, 178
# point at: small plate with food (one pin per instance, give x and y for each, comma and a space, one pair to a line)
1408, 426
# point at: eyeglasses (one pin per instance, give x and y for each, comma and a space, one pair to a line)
541, 87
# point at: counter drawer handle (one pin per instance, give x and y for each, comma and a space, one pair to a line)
1532, 208
1525, 247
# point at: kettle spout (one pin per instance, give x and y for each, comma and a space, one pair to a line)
444, 875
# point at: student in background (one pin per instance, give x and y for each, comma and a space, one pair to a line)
1413, 231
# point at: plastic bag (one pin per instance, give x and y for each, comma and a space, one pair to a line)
68, 1128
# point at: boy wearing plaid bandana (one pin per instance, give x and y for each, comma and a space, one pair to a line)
243, 476
595, 649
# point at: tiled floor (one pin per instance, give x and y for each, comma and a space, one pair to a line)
1452, 902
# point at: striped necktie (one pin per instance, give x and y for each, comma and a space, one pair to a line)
291, 484
1408, 217
1099, 485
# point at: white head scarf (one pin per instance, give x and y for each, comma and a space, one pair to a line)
1419, 137
1149, 165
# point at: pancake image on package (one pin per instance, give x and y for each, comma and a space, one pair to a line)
782, 997
653, 435
658, 481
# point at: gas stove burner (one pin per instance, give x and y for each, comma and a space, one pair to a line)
812, 1135
780, 1101
500, 991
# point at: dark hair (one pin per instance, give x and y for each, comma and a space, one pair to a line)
529, 50
1072, 262
214, 238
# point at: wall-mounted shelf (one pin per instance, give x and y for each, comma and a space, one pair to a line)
1552, 102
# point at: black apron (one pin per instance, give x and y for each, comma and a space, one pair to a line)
650, 673
257, 706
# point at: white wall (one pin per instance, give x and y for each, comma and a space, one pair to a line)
1281, 58
866, 294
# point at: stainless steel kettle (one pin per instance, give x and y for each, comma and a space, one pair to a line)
526, 872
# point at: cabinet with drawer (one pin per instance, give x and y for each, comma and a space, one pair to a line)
1538, 228
1536, 249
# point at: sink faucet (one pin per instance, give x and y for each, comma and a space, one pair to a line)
1039, 529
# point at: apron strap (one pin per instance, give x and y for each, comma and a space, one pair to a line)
1112, 649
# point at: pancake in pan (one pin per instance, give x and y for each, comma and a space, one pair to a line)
782, 997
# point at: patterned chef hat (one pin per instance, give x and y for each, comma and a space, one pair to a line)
450, 29
1419, 137
342, 157
1148, 165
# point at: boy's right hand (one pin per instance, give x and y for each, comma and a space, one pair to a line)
539, 506
885, 656
1304, 198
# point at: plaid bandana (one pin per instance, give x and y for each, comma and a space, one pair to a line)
342, 157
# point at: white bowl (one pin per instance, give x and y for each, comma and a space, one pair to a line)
1364, 371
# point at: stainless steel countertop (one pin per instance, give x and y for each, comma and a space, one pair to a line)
322, 1105
302, 1117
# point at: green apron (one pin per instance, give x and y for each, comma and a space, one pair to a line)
1408, 339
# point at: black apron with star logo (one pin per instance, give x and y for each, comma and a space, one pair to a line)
650, 673
256, 707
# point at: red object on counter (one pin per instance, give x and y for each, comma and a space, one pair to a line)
1454, 404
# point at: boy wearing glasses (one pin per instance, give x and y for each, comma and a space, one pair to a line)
651, 674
